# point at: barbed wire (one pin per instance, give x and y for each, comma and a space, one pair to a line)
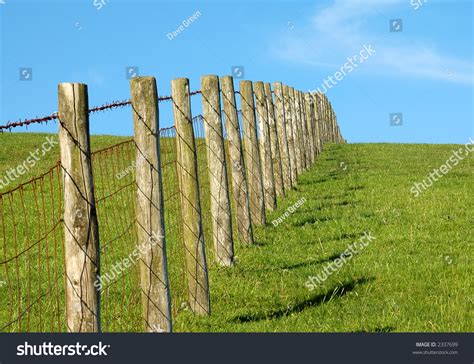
54, 116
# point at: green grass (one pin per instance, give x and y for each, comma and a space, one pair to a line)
416, 275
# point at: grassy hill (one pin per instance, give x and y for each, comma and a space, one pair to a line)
416, 275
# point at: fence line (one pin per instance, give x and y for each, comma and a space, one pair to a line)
146, 201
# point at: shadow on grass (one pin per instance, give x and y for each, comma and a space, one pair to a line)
346, 236
257, 243
329, 204
377, 329
312, 262
335, 292
329, 177
356, 188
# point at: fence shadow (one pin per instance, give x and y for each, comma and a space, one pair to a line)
309, 263
319, 299
382, 329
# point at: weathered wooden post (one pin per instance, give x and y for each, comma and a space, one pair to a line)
330, 134
195, 254
308, 102
317, 123
156, 300
289, 112
321, 119
221, 213
280, 116
324, 118
81, 243
265, 147
274, 143
328, 120
304, 131
252, 154
296, 131
236, 155
314, 126
331, 122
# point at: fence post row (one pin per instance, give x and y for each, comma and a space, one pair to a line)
252, 154
293, 128
193, 239
265, 147
221, 214
81, 243
156, 300
274, 143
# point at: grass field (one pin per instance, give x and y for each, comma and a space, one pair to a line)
415, 276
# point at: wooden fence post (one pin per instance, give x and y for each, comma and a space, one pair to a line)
274, 143
236, 155
331, 122
289, 116
252, 154
328, 120
156, 300
296, 131
304, 131
221, 212
325, 118
81, 243
310, 127
196, 264
280, 116
265, 147
317, 123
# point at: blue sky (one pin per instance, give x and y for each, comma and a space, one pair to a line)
424, 72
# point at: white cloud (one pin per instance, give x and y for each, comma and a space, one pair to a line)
340, 29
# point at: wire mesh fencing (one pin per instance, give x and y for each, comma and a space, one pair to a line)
31, 251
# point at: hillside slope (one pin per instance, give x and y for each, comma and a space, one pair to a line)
413, 274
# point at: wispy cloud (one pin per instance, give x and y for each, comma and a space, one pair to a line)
337, 30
